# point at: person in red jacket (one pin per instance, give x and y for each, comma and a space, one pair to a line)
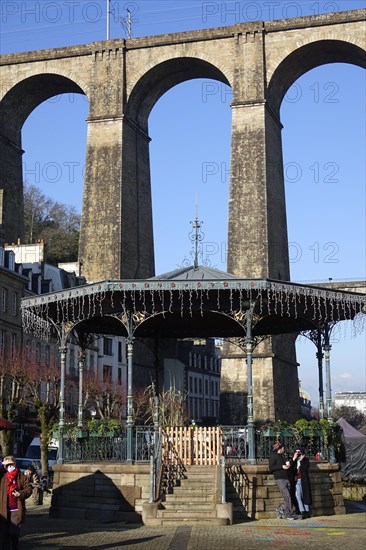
14, 489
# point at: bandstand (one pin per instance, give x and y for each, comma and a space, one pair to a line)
189, 302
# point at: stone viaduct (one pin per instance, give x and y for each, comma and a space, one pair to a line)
122, 80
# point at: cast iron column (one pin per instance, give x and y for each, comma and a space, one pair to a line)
320, 356
249, 351
327, 348
61, 423
81, 372
129, 422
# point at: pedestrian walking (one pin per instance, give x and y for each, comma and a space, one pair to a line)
35, 482
14, 489
300, 465
280, 469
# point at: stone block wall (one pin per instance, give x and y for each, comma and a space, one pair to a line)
105, 491
255, 494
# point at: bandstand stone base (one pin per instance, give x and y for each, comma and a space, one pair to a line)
116, 492
103, 491
255, 494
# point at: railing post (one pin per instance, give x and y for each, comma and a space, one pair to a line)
152, 484
223, 481
156, 422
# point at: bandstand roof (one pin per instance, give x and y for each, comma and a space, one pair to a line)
190, 302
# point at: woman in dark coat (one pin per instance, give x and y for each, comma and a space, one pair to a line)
300, 464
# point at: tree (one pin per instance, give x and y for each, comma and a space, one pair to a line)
172, 406
351, 414
42, 391
105, 397
12, 377
56, 223
25, 382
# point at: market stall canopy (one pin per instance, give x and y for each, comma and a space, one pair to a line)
354, 467
192, 301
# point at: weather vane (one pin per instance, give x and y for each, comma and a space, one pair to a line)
196, 235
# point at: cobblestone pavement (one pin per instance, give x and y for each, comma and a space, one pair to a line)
346, 531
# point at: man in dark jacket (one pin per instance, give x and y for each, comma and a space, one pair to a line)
279, 467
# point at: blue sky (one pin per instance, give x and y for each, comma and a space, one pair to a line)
323, 115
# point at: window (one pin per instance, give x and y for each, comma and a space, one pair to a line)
15, 304
4, 299
72, 368
195, 385
28, 348
120, 356
47, 355
11, 260
107, 346
206, 387
191, 384
2, 341
107, 374
13, 344
91, 360
200, 385
120, 375
38, 352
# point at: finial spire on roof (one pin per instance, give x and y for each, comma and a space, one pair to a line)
197, 235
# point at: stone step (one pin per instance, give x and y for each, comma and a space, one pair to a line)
172, 522
198, 491
173, 499
176, 514
183, 505
198, 481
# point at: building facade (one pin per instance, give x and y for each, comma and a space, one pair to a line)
355, 399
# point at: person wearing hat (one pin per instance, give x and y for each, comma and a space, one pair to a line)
280, 469
14, 489
300, 465
35, 482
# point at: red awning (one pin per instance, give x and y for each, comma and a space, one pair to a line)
5, 424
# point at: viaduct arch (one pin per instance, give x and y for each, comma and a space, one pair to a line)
122, 80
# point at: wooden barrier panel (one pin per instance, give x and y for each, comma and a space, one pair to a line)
190, 446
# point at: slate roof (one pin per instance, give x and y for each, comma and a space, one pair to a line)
195, 274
